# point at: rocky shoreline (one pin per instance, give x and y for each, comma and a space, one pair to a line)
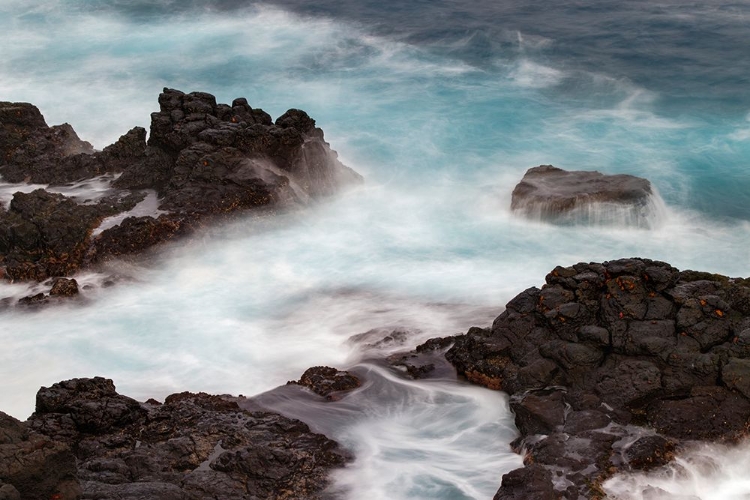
614, 367
610, 367
87, 441
202, 160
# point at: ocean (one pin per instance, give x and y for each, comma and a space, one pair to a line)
442, 106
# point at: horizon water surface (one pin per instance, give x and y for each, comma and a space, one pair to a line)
442, 106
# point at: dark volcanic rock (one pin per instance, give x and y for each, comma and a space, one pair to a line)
32, 151
555, 195
324, 380
601, 347
64, 287
202, 159
45, 234
86, 439
530, 482
135, 234
224, 158
33, 466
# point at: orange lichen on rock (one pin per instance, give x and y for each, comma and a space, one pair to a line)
494, 383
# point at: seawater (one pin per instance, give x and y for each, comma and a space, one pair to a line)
442, 106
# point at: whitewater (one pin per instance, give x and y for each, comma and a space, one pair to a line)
442, 108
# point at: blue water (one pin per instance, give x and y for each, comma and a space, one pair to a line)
442, 106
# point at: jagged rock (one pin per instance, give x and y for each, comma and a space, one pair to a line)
136, 234
324, 380
225, 158
193, 446
32, 151
33, 466
649, 452
601, 347
555, 195
202, 158
33, 300
64, 287
530, 482
45, 234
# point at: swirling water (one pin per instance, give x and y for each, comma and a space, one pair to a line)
442, 106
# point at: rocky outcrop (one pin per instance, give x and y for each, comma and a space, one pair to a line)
85, 439
611, 366
45, 234
31, 151
555, 195
328, 382
202, 158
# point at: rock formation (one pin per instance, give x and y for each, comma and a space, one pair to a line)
201, 158
327, 382
87, 440
554, 195
610, 367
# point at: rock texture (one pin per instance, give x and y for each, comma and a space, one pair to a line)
611, 366
87, 441
327, 382
583, 197
202, 158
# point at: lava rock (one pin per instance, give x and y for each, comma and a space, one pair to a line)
533, 481
45, 234
603, 346
203, 159
555, 195
33, 466
324, 380
31, 151
86, 437
64, 287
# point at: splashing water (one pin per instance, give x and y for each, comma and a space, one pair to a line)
443, 112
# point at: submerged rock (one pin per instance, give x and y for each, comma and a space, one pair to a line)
611, 366
555, 195
203, 159
86, 440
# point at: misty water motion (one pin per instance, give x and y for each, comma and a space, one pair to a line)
443, 119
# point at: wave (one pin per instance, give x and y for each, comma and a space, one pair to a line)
705, 472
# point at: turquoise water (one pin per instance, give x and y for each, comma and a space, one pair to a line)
442, 106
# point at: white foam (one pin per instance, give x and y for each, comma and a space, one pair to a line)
536, 76
430, 439
704, 472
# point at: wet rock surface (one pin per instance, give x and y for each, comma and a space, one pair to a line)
612, 366
326, 381
555, 195
87, 441
202, 158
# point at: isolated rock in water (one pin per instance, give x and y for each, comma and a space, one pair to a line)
87, 441
64, 287
324, 380
551, 194
601, 348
